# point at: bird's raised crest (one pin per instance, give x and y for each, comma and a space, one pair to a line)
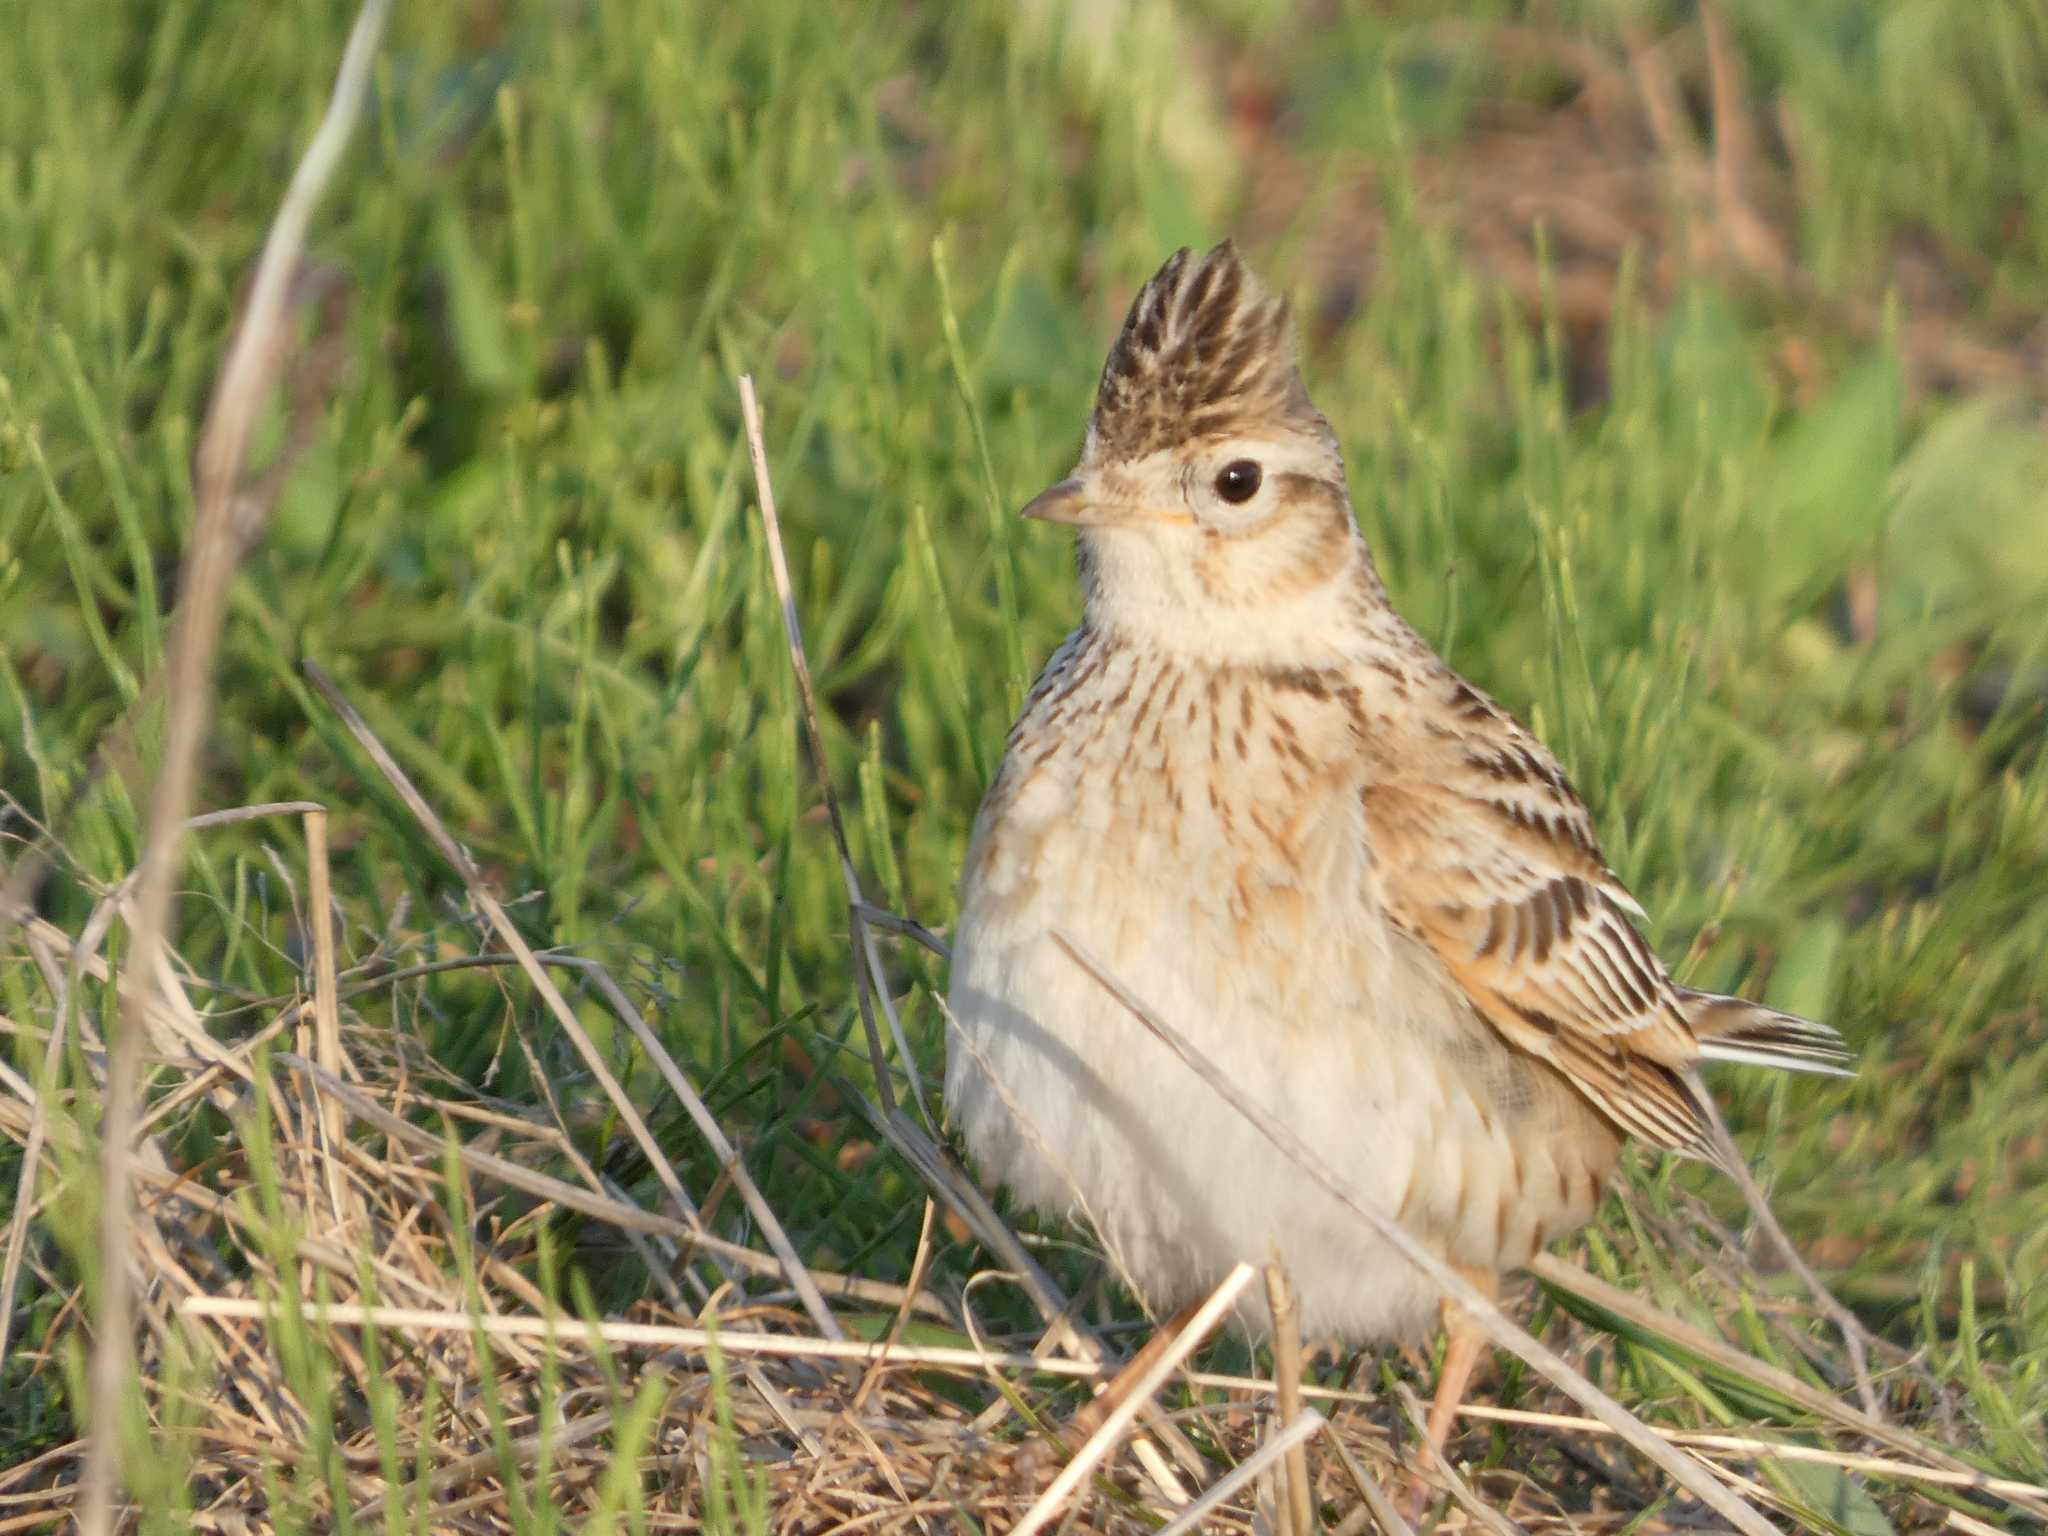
1205, 352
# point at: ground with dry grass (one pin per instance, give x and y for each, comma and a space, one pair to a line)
1687, 361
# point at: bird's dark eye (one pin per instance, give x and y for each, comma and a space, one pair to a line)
1238, 481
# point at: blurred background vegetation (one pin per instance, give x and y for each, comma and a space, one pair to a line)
1688, 364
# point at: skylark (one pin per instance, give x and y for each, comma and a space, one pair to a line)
1343, 872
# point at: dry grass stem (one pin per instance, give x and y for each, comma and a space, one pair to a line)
623, 1335
869, 977
1750, 1446
1199, 1327
920, 1260
38, 1128
542, 1186
1285, 1443
714, 1135
904, 927
1299, 1501
1444, 1469
1374, 1505
1855, 1337
251, 367
326, 1003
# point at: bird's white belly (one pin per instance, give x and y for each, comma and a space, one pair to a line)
1282, 972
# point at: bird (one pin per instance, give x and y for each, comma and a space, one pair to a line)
1341, 871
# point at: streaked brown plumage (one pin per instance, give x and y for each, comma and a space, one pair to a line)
1345, 873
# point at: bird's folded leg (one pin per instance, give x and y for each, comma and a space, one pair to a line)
1464, 1340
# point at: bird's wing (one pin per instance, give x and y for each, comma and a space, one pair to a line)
1487, 855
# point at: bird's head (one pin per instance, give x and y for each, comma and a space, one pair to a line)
1210, 494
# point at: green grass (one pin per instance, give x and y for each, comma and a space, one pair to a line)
522, 539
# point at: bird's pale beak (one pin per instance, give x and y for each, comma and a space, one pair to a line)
1066, 502
1075, 502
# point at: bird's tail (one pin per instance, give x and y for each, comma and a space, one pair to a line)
1730, 1029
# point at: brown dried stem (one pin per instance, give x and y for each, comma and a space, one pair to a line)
1291, 1438
1298, 1504
870, 983
1205, 1322
245, 380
